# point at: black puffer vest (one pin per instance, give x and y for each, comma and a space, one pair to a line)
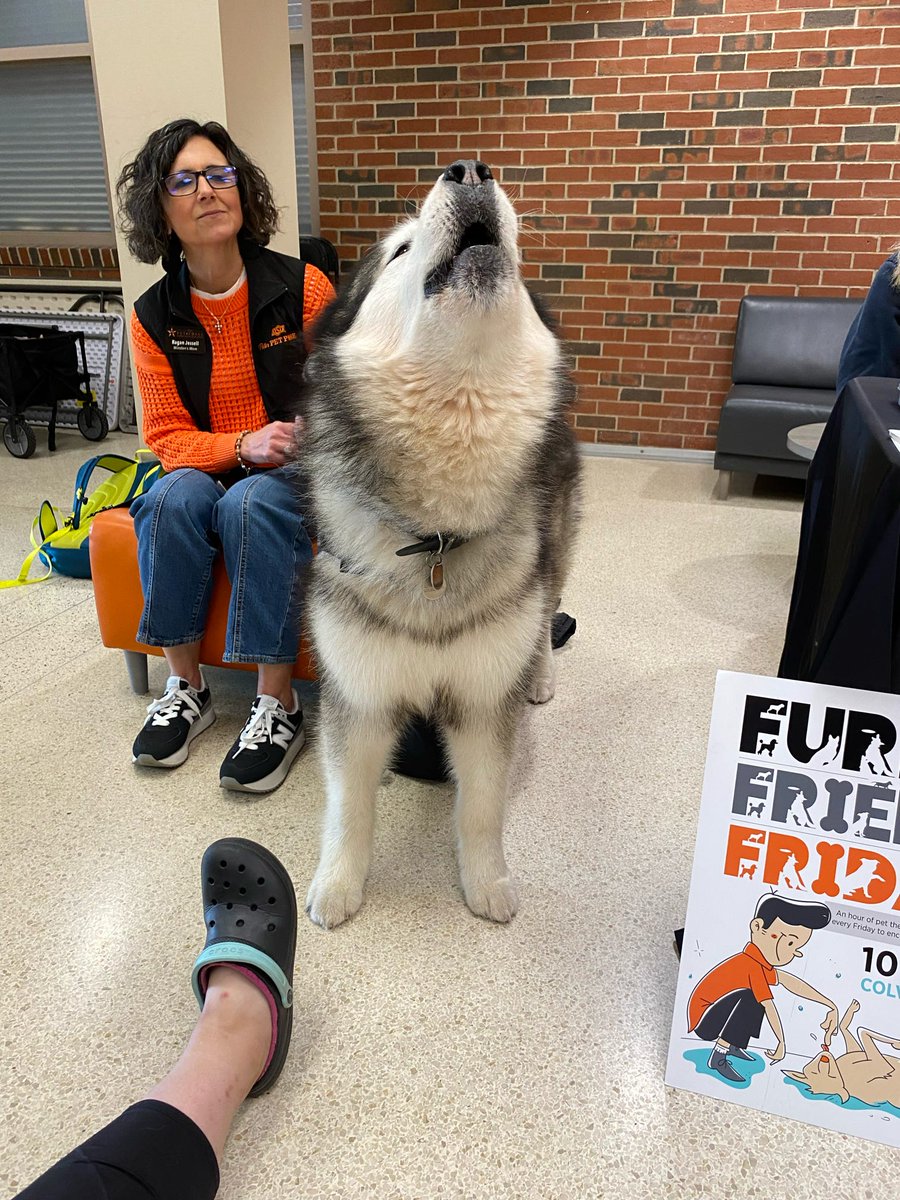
275, 292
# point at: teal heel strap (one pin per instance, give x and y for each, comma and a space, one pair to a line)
223, 953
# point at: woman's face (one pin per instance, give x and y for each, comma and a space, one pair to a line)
210, 217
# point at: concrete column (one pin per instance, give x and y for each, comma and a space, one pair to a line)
215, 60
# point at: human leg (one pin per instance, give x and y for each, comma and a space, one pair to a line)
732, 1020
730, 1023
266, 549
265, 749
173, 721
275, 680
184, 661
224, 1057
743, 1022
173, 523
151, 1149
168, 1144
175, 555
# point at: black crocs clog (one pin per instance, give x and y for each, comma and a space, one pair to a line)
250, 912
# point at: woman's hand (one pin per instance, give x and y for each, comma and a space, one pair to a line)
272, 444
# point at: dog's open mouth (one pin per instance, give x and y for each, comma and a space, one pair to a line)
476, 234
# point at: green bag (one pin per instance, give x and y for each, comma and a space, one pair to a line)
62, 543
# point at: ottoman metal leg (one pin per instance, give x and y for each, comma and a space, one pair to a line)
137, 671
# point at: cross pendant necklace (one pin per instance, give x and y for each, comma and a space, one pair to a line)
217, 321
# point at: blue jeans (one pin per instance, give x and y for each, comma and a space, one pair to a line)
182, 521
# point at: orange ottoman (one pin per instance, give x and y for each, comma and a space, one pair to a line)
120, 601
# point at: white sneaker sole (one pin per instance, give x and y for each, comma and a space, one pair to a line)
175, 760
271, 781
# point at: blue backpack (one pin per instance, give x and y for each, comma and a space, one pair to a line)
61, 543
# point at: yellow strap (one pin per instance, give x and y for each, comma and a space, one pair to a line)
23, 573
22, 578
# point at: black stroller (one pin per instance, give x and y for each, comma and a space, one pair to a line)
39, 366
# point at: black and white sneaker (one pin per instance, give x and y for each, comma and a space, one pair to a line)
173, 721
270, 741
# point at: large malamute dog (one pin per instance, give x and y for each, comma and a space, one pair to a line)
443, 480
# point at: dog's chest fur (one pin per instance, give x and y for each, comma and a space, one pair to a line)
454, 431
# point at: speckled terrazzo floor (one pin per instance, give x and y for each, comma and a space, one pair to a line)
435, 1055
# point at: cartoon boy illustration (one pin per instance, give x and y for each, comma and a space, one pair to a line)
729, 1003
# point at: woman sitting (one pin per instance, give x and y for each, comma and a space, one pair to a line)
217, 344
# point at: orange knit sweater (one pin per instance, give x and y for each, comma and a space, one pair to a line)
235, 402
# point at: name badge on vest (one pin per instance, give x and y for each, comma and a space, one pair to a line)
185, 341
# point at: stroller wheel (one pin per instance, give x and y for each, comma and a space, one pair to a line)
93, 423
18, 437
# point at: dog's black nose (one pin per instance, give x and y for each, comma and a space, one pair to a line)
468, 172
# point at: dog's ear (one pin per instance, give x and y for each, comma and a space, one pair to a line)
342, 312
795, 1075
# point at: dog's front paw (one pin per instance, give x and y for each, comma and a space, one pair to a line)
332, 898
543, 686
497, 900
542, 690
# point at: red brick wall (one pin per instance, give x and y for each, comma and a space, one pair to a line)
667, 156
58, 262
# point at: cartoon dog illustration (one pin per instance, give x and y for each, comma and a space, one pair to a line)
874, 757
799, 807
828, 754
861, 1072
857, 885
790, 875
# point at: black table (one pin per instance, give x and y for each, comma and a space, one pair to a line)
844, 622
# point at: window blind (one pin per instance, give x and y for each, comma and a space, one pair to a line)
301, 137
42, 22
52, 173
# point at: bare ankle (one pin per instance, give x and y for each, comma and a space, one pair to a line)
237, 1003
228, 980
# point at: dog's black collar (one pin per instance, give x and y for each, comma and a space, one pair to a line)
438, 543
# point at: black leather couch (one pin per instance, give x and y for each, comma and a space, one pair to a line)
783, 372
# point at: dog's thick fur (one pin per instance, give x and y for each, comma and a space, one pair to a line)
435, 402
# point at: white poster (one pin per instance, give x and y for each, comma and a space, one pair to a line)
788, 993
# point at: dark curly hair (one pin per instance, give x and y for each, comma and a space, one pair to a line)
139, 190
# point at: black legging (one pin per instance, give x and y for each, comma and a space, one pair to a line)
151, 1152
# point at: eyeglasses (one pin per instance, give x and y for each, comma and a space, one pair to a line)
184, 183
